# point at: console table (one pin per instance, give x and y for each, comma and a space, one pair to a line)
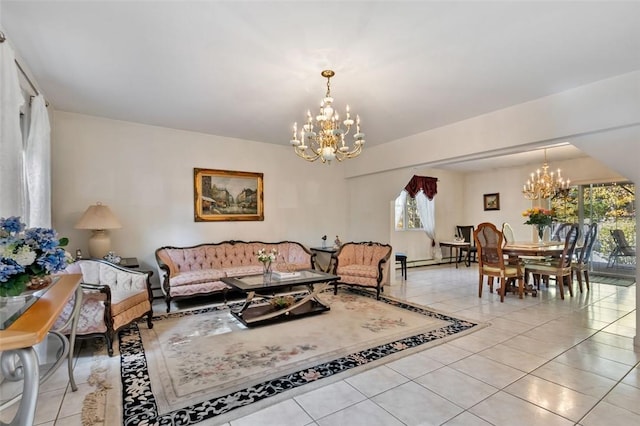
457, 246
21, 341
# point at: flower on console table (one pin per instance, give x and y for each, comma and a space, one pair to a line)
265, 256
27, 253
538, 216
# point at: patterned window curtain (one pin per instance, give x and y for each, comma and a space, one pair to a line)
424, 190
12, 194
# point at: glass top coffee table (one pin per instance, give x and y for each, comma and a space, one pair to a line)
280, 307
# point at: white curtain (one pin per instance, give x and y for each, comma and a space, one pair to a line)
427, 213
37, 158
399, 206
12, 195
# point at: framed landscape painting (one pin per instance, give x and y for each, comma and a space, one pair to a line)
492, 201
224, 195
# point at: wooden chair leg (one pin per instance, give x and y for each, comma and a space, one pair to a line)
586, 280
521, 287
579, 277
490, 284
503, 288
481, 282
559, 281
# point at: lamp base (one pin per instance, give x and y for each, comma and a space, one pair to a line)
99, 244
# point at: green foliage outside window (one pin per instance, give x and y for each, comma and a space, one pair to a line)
612, 206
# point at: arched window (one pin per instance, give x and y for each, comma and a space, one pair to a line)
406, 214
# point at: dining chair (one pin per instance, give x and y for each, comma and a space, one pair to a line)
581, 265
507, 233
492, 264
560, 231
466, 232
560, 267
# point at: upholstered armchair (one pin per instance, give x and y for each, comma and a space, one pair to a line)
113, 297
362, 264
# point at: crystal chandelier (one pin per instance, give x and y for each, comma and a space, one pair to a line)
543, 184
329, 141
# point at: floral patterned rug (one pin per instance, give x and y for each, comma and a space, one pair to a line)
204, 366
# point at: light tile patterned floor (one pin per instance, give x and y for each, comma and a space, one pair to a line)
543, 360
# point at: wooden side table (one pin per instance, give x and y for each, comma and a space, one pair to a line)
324, 251
20, 342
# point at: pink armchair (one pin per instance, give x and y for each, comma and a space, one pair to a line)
113, 297
362, 264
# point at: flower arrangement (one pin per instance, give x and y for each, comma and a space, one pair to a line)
538, 216
281, 302
27, 253
265, 256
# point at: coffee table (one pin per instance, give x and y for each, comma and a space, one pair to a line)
260, 314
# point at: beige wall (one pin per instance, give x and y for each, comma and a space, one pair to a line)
145, 174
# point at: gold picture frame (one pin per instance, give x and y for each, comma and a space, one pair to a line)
492, 201
225, 195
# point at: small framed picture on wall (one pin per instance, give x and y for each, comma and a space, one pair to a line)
492, 201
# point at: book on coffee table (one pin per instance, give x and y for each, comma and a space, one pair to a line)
280, 275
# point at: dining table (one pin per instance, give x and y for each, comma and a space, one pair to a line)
520, 250
524, 248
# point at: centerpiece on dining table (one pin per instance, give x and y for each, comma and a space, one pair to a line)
539, 217
28, 256
266, 258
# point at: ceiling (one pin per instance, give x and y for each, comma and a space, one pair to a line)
248, 70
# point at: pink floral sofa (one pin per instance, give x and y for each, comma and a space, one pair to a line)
197, 270
362, 264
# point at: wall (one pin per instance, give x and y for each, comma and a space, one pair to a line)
145, 175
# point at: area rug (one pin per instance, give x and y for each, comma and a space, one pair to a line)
604, 279
204, 366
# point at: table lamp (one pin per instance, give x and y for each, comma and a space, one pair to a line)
98, 218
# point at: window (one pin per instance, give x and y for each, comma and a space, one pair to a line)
407, 217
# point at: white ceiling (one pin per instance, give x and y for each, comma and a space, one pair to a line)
250, 69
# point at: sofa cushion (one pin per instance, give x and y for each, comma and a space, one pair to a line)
196, 277
363, 271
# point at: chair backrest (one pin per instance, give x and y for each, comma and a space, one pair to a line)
560, 231
466, 232
589, 241
570, 244
621, 242
507, 233
489, 242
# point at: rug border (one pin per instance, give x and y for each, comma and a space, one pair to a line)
143, 406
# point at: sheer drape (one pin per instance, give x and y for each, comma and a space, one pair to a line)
424, 190
12, 193
37, 159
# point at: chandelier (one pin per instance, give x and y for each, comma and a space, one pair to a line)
543, 184
328, 142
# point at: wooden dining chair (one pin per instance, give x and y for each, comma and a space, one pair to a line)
560, 268
466, 232
492, 264
582, 263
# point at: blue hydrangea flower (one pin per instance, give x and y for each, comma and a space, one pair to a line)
12, 224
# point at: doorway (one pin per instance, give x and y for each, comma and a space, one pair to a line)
612, 207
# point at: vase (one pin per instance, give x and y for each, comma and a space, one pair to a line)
540, 229
266, 272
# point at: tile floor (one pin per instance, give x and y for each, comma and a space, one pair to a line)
543, 360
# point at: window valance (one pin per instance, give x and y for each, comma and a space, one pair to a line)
425, 183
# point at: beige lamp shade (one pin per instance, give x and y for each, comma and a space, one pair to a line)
98, 218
